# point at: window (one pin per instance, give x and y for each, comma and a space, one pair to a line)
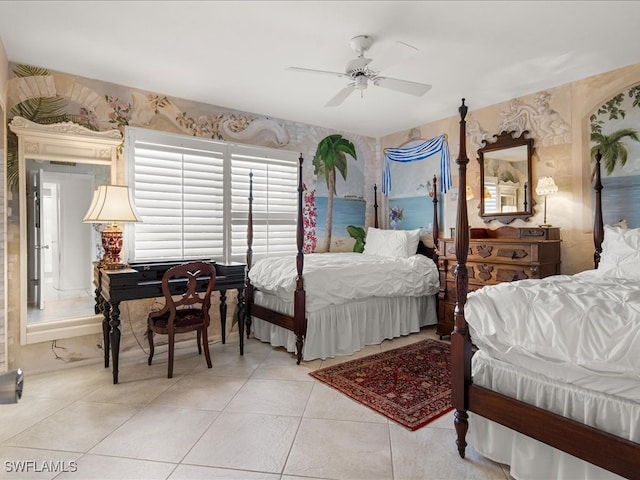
192, 195
490, 195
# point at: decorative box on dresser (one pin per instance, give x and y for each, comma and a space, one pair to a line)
505, 254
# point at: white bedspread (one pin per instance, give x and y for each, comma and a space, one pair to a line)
568, 344
586, 320
336, 278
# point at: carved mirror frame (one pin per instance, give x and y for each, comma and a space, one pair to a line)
505, 141
63, 142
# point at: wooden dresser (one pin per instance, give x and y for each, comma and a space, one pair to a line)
505, 254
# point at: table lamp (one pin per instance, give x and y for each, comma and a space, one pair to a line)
112, 205
546, 185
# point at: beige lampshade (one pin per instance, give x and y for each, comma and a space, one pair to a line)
111, 204
546, 185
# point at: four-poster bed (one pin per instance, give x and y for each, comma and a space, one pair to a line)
561, 376
336, 303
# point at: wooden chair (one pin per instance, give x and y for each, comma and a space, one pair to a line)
189, 312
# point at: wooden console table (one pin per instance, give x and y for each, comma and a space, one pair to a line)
144, 280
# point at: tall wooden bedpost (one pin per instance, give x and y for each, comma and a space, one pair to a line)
248, 288
436, 228
299, 303
460, 339
598, 227
375, 205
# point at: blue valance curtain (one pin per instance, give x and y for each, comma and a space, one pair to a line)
415, 153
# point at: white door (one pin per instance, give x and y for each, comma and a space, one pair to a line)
72, 241
62, 247
36, 244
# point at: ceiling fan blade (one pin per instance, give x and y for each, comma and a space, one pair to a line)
341, 96
322, 72
392, 54
404, 86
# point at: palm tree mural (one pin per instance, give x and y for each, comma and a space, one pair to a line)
612, 147
331, 155
44, 110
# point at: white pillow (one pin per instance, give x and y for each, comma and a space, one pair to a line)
386, 243
620, 256
413, 237
427, 239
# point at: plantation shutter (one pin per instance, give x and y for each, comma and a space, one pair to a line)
275, 204
178, 189
192, 195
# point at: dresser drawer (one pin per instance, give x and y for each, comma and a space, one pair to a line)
539, 233
500, 252
496, 252
482, 273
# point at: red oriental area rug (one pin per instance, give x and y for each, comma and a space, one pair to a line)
410, 385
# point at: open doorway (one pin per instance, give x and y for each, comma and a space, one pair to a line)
61, 247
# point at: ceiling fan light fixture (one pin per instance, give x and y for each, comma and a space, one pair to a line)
358, 71
360, 82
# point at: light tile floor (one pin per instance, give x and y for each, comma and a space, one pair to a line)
257, 416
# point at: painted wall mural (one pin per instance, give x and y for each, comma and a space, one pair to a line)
540, 119
339, 200
410, 204
408, 176
615, 132
44, 97
47, 97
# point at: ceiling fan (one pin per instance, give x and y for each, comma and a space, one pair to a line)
363, 70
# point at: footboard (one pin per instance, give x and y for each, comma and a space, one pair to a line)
298, 322
600, 448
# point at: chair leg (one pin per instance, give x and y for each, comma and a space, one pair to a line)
199, 342
150, 339
205, 341
171, 347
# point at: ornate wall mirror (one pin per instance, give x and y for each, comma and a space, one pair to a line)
505, 178
59, 166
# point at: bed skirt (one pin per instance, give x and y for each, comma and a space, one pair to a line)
347, 328
531, 459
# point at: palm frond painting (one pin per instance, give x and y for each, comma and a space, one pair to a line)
615, 133
612, 126
331, 155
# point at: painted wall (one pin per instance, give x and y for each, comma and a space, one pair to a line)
101, 106
558, 120
4, 68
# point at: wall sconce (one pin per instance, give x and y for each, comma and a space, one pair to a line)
546, 185
111, 204
469, 193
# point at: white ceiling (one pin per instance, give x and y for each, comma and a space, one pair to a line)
234, 54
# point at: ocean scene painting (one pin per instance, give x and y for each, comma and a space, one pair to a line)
346, 211
410, 206
615, 132
620, 200
417, 212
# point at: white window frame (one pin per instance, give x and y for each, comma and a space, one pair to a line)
271, 219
